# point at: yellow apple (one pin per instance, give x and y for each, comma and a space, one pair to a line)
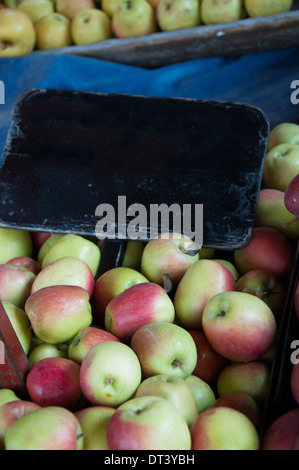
70, 8
17, 35
110, 6
257, 8
36, 9
90, 26
53, 31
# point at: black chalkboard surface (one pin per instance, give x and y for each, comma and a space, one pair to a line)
67, 152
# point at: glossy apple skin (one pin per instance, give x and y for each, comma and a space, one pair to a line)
109, 285
295, 382
271, 212
239, 326
268, 249
281, 166
244, 403
86, 338
203, 280
54, 381
209, 362
148, 423
135, 307
173, 389
283, 433
14, 243
20, 324
265, 285
65, 271
49, 428
252, 378
45, 350
284, 133
94, 423
15, 284
90, 26
165, 256
12, 411
17, 29
223, 428
204, 394
57, 313
110, 374
164, 348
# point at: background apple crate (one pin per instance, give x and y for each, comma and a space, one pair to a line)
99, 148
246, 36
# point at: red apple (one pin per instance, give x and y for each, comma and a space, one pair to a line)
49, 428
38, 238
137, 306
167, 255
239, 326
244, 403
249, 377
283, 433
223, 428
26, 262
15, 284
12, 411
265, 285
203, 280
65, 271
209, 362
268, 249
54, 381
148, 423
86, 338
110, 284
295, 382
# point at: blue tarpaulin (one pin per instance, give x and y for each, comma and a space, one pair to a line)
262, 79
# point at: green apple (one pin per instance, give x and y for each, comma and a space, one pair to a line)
173, 389
53, 31
110, 6
94, 422
154, 3
65, 271
284, 133
110, 284
203, 280
134, 18
70, 8
281, 166
90, 26
46, 245
164, 348
12, 3
224, 428
36, 9
244, 403
20, 323
251, 377
110, 374
13, 242
45, 350
167, 255
178, 14
222, 11
271, 212
203, 393
76, 246
57, 313
49, 428
148, 423
239, 326
133, 254
7, 395
257, 8
206, 253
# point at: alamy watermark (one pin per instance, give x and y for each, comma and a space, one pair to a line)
136, 222
295, 353
2, 353
295, 94
2, 92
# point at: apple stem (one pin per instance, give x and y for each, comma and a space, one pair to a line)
176, 363
290, 222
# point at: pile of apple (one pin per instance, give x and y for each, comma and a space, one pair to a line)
27, 25
169, 351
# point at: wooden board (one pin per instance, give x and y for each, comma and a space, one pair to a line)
165, 48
